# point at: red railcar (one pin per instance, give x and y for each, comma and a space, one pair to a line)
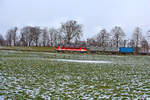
77, 49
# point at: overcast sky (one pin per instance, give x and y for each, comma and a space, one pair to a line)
93, 14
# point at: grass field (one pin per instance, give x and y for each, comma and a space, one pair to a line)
37, 75
35, 49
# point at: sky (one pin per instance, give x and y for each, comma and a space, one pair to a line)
92, 14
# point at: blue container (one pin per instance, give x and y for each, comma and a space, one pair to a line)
126, 50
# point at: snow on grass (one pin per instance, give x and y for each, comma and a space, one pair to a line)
30, 75
81, 61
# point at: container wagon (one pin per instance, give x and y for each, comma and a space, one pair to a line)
126, 50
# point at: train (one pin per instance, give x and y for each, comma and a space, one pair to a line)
95, 49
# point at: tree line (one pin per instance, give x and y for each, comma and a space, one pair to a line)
69, 32
117, 38
72, 32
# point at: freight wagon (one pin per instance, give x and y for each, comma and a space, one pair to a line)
126, 50
111, 50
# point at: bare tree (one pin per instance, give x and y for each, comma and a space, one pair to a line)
1, 40
23, 40
35, 32
30, 35
144, 45
60, 39
53, 36
14, 35
26, 36
103, 38
71, 30
148, 36
9, 37
137, 37
118, 35
45, 38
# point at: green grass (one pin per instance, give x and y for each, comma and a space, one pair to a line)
31, 75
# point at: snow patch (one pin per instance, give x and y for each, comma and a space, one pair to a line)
82, 61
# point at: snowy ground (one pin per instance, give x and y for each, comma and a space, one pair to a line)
82, 61
31, 75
